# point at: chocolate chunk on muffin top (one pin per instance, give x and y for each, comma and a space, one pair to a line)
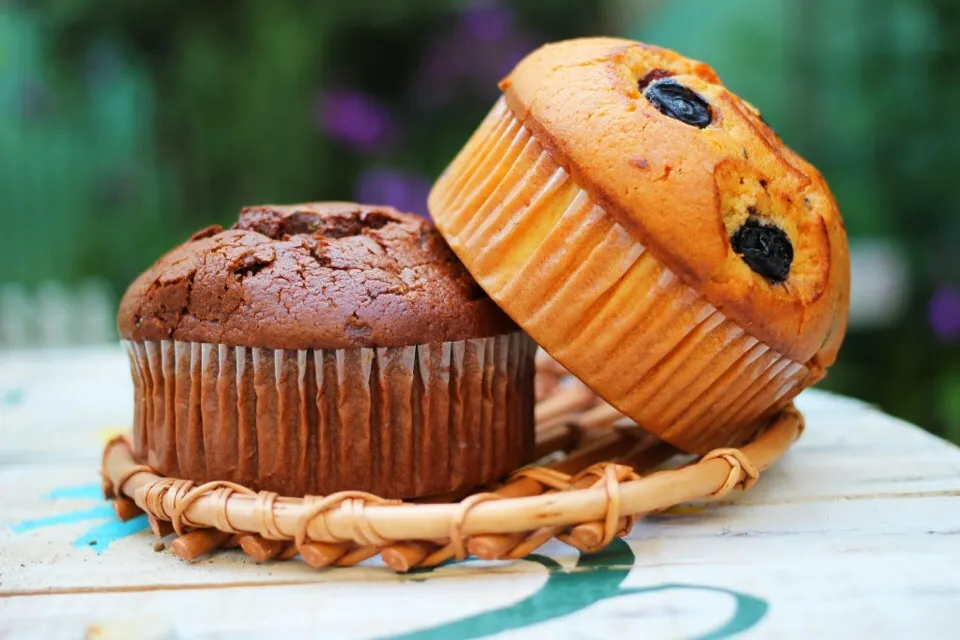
327, 275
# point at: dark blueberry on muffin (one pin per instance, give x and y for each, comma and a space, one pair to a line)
677, 101
765, 248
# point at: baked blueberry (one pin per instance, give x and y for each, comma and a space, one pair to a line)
677, 101
765, 248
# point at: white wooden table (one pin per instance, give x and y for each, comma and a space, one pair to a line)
856, 534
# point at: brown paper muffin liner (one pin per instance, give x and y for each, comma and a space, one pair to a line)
597, 301
399, 422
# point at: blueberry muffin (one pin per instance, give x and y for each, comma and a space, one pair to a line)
322, 347
647, 228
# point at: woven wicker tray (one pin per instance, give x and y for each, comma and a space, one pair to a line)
585, 489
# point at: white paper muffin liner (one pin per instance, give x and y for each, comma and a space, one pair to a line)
595, 299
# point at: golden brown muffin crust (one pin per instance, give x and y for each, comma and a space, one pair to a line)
685, 191
311, 276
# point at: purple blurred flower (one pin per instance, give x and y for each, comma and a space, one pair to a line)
944, 314
513, 54
403, 190
355, 119
472, 56
487, 21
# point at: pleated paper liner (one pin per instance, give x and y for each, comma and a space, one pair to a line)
595, 299
586, 489
398, 422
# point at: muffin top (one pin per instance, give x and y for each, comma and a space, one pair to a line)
697, 177
327, 275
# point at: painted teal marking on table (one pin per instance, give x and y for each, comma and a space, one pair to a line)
103, 535
11, 397
100, 536
595, 578
99, 511
92, 491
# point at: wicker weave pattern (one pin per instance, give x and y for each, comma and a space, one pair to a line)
589, 494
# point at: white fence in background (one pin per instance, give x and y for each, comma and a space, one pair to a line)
52, 315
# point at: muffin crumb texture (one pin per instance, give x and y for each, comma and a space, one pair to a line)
696, 176
321, 275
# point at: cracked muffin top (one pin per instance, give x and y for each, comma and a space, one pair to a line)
328, 275
697, 177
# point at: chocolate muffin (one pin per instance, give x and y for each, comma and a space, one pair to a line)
649, 230
322, 347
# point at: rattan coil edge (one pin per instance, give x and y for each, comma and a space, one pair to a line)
349, 527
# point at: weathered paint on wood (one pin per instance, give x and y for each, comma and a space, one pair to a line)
856, 533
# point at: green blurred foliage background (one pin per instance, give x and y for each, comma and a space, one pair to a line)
126, 126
